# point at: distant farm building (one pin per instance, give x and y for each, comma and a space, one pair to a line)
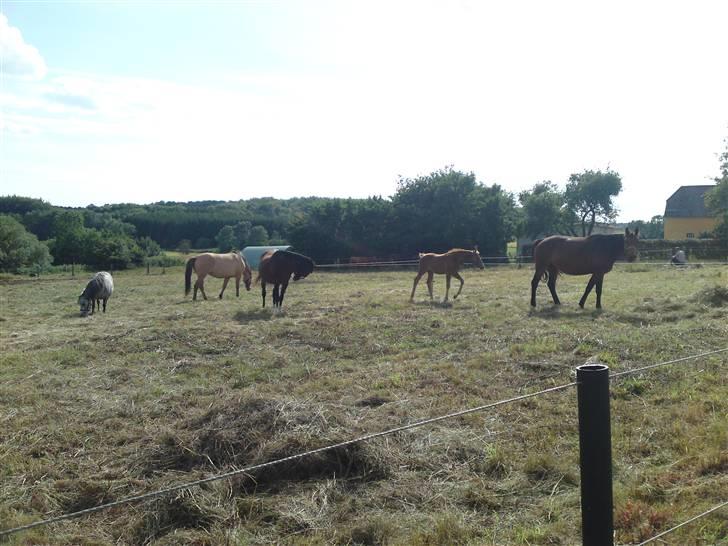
252, 254
685, 214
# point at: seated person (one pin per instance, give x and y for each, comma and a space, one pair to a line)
678, 257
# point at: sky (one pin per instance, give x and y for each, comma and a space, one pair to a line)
138, 102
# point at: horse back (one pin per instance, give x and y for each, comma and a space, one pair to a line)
575, 255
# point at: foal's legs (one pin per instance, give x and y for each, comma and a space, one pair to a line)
414, 286
262, 284
224, 285
553, 275
447, 285
589, 286
462, 282
430, 274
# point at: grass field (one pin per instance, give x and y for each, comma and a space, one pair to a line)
161, 390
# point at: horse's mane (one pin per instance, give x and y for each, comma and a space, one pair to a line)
458, 251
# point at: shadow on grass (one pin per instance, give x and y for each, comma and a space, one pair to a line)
558, 311
259, 314
434, 303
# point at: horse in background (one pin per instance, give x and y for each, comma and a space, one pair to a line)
448, 264
219, 266
98, 289
593, 255
277, 266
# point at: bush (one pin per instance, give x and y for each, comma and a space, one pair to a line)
20, 249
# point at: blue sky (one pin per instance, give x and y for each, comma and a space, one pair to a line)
105, 102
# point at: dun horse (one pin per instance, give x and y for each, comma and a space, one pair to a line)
219, 266
276, 267
98, 289
594, 255
448, 264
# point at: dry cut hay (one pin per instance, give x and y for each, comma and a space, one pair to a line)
245, 432
714, 296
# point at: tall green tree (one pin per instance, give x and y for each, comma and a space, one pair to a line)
590, 194
69, 237
225, 239
20, 249
544, 211
717, 199
258, 236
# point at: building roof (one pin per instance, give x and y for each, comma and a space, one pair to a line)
688, 202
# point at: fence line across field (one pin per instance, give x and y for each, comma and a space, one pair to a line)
416, 424
511, 263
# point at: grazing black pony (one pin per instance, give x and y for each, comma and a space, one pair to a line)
98, 289
594, 255
277, 266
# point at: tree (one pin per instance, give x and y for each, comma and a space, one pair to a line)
544, 211
184, 246
589, 196
225, 239
258, 236
69, 238
654, 229
717, 199
20, 249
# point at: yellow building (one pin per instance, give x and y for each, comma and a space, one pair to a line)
685, 214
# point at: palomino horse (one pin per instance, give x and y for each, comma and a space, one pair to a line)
449, 264
276, 267
594, 255
220, 266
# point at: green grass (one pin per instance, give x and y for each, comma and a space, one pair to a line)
162, 390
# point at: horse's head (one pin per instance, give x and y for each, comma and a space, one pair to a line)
303, 268
85, 304
476, 258
247, 277
630, 244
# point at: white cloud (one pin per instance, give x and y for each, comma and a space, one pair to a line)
18, 58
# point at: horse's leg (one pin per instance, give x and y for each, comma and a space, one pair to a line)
462, 282
430, 274
105, 300
447, 285
262, 284
414, 286
600, 280
201, 282
224, 285
93, 306
282, 293
553, 275
276, 288
534, 283
589, 286
237, 286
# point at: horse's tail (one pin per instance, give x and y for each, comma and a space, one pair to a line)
188, 275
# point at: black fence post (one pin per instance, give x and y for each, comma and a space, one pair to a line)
595, 451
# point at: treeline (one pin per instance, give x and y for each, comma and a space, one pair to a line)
435, 212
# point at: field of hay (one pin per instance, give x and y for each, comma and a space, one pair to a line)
161, 390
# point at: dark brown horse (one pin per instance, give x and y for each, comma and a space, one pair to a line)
277, 266
594, 255
447, 264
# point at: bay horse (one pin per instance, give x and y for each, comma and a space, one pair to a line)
448, 264
277, 266
219, 266
593, 255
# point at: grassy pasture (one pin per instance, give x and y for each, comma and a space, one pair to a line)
162, 390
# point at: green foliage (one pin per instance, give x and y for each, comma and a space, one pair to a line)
544, 211
717, 199
149, 246
654, 229
15, 204
69, 234
258, 236
589, 196
225, 239
20, 249
184, 246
